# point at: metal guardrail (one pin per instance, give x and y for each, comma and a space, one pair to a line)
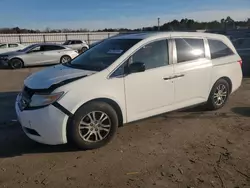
89, 37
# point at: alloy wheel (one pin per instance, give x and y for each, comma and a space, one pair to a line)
95, 126
220, 95
65, 59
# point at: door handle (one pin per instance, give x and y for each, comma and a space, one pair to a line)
179, 76
168, 78
173, 77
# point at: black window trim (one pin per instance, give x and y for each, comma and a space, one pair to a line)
175, 59
170, 57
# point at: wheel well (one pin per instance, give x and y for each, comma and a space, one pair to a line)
65, 55
112, 104
17, 58
228, 81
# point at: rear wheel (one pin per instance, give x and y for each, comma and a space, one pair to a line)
65, 59
219, 95
83, 49
93, 125
16, 63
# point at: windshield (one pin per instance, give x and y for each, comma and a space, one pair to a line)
102, 55
28, 48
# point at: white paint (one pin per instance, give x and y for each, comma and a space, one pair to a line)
139, 95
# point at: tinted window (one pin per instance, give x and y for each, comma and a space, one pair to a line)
3, 45
152, 55
13, 45
218, 49
103, 55
189, 49
78, 42
36, 49
52, 47
67, 42
28, 48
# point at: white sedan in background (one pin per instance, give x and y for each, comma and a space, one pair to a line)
38, 54
10, 47
79, 45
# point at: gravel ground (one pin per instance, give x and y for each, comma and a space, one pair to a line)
189, 148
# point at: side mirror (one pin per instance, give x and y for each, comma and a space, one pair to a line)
136, 67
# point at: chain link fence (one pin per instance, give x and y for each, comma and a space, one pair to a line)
58, 38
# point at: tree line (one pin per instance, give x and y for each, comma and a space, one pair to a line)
175, 25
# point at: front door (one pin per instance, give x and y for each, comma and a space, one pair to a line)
35, 56
150, 92
192, 70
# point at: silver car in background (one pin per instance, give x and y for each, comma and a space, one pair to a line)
38, 54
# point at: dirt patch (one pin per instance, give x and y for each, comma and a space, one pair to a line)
190, 148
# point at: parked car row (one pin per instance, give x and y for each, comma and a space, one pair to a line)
125, 79
17, 56
8, 47
38, 54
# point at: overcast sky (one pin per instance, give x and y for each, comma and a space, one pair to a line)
99, 14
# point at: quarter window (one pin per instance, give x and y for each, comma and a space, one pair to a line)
189, 49
219, 49
153, 55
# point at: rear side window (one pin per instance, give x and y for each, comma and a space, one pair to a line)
78, 42
189, 49
219, 49
52, 47
13, 45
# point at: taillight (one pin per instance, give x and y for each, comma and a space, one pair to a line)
240, 62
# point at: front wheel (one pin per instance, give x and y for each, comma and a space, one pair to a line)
65, 59
16, 63
83, 49
93, 125
219, 95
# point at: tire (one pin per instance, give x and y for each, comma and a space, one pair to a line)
83, 133
16, 63
65, 59
221, 88
83, 49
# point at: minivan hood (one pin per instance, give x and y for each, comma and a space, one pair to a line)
54, 75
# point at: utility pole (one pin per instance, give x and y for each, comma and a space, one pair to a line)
158, 24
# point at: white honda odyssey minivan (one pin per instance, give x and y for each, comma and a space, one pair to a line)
124, 79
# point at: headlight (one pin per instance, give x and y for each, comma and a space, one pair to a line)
39, 100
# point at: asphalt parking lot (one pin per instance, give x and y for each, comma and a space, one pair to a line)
189, 148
